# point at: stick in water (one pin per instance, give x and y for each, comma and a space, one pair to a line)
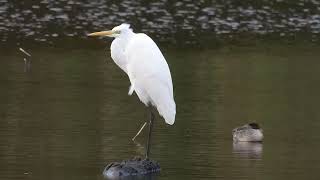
25, 52
139, 131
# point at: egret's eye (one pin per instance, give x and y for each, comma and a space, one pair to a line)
117, 31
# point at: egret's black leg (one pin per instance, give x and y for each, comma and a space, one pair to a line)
149, 134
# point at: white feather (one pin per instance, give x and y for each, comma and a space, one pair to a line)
148, 71
131, 89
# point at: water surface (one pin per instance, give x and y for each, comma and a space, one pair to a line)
68, 115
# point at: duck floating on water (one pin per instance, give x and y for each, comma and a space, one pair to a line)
248, 133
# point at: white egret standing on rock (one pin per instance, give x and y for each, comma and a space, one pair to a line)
139, 56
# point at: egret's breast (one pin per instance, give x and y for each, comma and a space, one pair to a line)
118, 54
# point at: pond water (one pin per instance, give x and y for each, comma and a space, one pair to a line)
68, 114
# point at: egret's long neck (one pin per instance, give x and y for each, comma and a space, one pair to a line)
118, 48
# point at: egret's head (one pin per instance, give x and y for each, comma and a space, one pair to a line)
115, 32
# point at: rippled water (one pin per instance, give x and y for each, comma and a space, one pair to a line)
170, 21
69, 115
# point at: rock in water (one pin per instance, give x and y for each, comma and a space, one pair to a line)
132, 167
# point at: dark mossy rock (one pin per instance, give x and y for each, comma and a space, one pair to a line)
132, 167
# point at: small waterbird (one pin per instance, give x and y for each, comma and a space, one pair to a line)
249, 133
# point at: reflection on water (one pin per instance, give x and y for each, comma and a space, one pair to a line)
250, 150
27, 64
70, 115
140, 149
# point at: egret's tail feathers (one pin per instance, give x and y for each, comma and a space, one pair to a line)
168, 112
159, 95
170, 118
131, 89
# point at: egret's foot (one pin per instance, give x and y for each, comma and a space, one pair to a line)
132, 167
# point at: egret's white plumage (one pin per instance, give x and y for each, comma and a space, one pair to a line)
139, 56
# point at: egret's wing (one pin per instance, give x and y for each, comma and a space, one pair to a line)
150, 75
145, 59
158, 95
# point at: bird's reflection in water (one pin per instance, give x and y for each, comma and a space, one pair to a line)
27, 64
140, 149
252, 150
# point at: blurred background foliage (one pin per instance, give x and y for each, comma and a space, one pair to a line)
183, 22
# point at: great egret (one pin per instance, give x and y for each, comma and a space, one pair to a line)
139, 56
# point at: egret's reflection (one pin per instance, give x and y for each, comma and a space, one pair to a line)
140, 149
27, 64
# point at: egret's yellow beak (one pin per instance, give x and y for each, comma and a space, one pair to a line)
102, 33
